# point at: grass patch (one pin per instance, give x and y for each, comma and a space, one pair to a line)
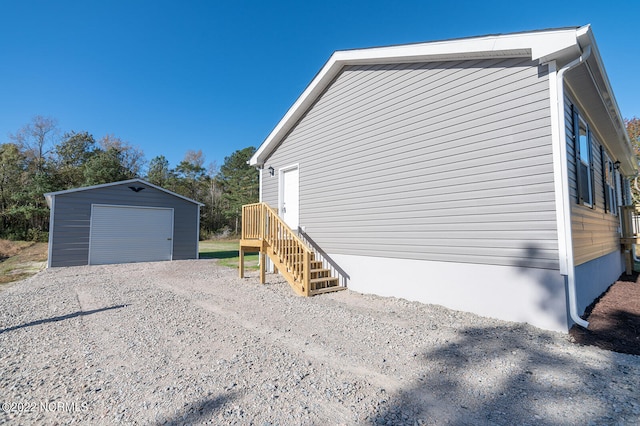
21, 259
226, 252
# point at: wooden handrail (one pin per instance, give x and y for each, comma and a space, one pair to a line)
252, 220
261, 222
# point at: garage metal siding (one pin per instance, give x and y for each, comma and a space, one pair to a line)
72, 220
122, 234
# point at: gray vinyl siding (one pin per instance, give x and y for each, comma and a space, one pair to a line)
444, 161
72, 220
594, 230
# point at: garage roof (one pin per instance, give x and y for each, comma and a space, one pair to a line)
48, 196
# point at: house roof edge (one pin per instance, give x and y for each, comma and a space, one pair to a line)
541, 45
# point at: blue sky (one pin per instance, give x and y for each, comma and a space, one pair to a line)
169, 76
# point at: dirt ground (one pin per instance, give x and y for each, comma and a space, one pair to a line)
614, 319
11, 248
19, 260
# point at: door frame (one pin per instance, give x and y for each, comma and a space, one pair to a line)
281, 172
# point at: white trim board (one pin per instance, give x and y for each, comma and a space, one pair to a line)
52, 208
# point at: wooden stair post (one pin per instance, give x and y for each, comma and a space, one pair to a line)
263, 267
306, 273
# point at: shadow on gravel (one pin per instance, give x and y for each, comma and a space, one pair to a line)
219, 254
523, 385
61, 318
200, 412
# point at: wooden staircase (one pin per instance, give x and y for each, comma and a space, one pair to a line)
265, 232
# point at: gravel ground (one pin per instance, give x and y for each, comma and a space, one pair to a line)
187, 342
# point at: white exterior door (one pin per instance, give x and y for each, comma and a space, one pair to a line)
123, 234
290, 197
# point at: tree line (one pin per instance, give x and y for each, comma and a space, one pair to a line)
37, 160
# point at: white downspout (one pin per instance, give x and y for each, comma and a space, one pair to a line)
260, 183
566, 258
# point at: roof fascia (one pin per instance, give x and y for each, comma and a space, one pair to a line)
601, 81
540, 45
86, 188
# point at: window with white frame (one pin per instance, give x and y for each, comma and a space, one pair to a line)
609, 181
583, 161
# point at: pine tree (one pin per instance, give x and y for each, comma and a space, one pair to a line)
239, 184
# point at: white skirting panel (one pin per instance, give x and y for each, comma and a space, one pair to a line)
534, 296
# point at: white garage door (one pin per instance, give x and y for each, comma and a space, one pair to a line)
122, 234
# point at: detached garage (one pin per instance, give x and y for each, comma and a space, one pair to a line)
121, 222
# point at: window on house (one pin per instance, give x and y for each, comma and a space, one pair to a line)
610, 190
584, 163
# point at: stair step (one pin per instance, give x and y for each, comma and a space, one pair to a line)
320, 273
327, 290
319, 280
321, 283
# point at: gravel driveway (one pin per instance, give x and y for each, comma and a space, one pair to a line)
187, 342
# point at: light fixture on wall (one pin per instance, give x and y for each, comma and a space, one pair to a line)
616, 165
271, 171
